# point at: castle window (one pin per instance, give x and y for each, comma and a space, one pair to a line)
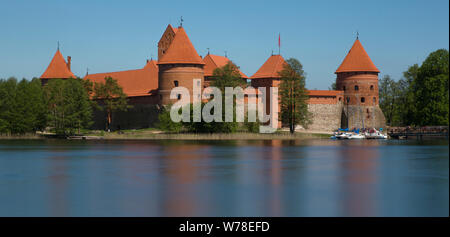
371, 87
176, 83
344, 88
340, 98
356, 88
179, 96
374, 99
363, 99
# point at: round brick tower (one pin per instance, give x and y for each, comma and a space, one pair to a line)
357, 76
178, 66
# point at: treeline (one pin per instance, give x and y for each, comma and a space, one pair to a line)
421, 97
64, 106
22, 106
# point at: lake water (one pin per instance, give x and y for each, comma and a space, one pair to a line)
224, 178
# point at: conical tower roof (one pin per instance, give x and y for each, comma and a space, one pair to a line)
57, 68
357, 60
270, 68
181, 51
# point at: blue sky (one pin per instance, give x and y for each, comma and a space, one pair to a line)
109, 36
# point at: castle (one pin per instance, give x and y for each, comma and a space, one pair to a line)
353, 104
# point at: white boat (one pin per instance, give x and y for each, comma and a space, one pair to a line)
356, 136
344, 135
374, 134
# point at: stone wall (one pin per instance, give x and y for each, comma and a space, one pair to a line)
363, 116
325, 117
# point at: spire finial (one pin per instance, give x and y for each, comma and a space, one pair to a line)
181, 21
208, 51
357, 34
58, 45
87, 71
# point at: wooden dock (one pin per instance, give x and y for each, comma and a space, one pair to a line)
418, 132
84, 137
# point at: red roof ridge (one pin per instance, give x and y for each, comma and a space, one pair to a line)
129, 70
357, 60
214, 59
135, 82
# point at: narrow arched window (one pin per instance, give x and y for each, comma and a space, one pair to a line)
356, 88
363, 99
175, 83
371, 87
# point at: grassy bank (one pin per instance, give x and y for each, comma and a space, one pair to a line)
153, 134
22, 136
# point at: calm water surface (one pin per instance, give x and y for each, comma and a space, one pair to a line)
224, 178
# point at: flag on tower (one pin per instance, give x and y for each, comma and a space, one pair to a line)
279, 43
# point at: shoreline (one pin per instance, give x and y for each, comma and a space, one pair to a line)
148, 135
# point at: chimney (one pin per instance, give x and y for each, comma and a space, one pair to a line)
69, 59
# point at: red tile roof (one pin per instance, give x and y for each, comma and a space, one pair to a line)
168, 28
324, 93
174, 29
181, 51
357, 60
270, 68
57, 68
139, 82
214, 61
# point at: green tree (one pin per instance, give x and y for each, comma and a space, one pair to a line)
166, 124
389, 99
431, 90
110, 97
69, 108
7, 105
294, 107
226, 76
22, 107
29, 107
406, 102
333, 86
79, 105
